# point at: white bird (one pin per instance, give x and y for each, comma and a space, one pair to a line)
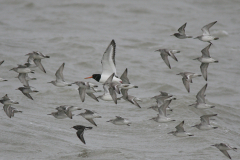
206, 37
162, 116
182, 34
22, 69
86, 88
187, 79
108, 65
223, 147
120, 121
36, 57
205, 124
205, 59
60, 82
180, 131
201, 103
90, 115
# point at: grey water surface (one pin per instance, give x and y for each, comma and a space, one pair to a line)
77, 33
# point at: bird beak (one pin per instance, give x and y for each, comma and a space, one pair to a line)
88, 77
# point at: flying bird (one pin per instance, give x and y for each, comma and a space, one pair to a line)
181, 32
80, 130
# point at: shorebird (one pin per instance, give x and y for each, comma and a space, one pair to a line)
24, 78
223, 147
120, 121
108, 65
187, 78
10, 110
22, 69
200, 103
206, 37
59, 114
7, 101
181, 34
68, 110
165, 53
125, 81
86, 88
162, 116
205, 124
90, 115
130, 98
80, 130
26, 90
180, 131
205, 59
60, 82
113, 87
36, 57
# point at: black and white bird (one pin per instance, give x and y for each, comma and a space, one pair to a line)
80, 130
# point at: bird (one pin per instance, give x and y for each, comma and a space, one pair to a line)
22, 69
86, 88
90, 115
162, 116
36, 57
60, 82
108, 65
24, 78
223, 147
59, 114
10, 110
120, 121
125, 81
165, 53
201, 103
205, 59
206, 37
7, 101
180, 131
205, 124
68, 110
30, 62
80, 130
106, 95
182, 34
113, 87
187, 78
130, 98
26, 90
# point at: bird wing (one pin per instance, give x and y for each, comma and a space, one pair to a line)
22, 79
39, 64
172, 55
1, 62
165, 58
205, 28
205, 118
163, 107
82, 92
80, 135
59, 73
205, 51
201, 94
113, 94
180, 127
108, 60
5, 98
92, 96
28, 95
186, 84
226, 153
124, 77
203, 68
92, 121
181, 30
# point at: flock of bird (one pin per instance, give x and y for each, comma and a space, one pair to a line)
113, 86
